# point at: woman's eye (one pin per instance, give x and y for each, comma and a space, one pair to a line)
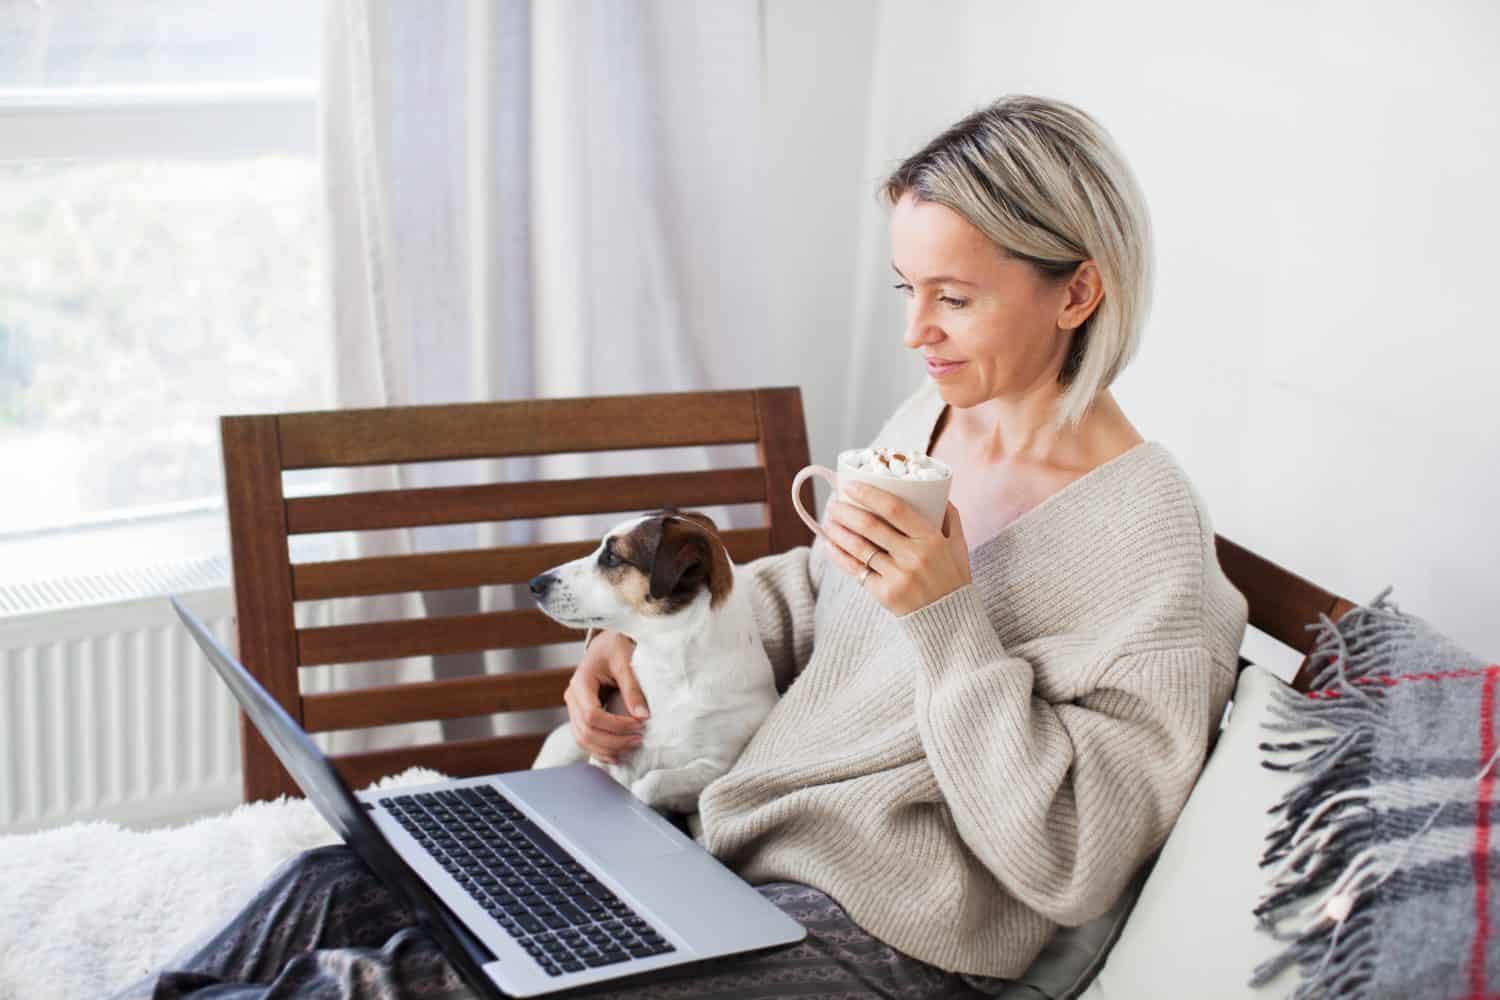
902, 286
952, 302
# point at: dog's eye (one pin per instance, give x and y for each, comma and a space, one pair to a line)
607, 558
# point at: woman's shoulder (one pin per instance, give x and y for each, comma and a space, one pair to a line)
1137, 520
1162, 550
1153, 503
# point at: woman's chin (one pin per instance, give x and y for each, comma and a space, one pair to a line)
957, 396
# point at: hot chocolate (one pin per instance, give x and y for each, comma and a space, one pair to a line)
896, 464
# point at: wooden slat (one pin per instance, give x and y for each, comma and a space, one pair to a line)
782, 450
457, 759
466, 568
1281, 602
264, 626
422, 636
318, 581
523, 427
512, 501
450, 699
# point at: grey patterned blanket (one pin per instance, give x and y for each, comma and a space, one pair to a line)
1381, 874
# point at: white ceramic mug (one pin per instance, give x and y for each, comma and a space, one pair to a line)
928, 496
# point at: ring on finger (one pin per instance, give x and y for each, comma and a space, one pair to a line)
863, 575
873, 550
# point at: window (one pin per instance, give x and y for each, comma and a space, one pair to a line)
162, 234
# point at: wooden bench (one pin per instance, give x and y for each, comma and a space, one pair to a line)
268, 585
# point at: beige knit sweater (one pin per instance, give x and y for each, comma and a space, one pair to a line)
967, 777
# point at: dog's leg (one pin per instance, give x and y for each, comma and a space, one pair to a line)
560, 748
676, 789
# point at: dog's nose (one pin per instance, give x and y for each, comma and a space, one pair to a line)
541, 584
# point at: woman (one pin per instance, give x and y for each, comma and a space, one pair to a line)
985, 729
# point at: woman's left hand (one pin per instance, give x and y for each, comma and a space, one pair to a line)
911, 563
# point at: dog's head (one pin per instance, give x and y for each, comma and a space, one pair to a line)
652, 574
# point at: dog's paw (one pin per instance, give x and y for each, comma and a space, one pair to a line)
657, 791
648, 788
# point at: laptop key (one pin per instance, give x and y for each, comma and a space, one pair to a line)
572, 914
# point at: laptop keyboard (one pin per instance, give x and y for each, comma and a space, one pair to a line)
564, 917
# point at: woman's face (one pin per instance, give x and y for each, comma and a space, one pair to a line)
988, 325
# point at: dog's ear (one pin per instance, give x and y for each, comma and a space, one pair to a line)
692, 515
690, 542
703, 519
682, 559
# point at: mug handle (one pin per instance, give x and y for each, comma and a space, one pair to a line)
822, 472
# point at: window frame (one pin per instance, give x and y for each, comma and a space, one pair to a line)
189, 121
214, 121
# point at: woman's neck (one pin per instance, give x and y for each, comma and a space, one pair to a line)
1022, 432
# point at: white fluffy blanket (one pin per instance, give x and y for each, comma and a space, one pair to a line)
88, 909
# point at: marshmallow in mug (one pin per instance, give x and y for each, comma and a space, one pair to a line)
893, 463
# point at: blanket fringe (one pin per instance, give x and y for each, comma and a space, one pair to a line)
1318, 880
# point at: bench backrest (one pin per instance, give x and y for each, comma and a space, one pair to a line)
268, 585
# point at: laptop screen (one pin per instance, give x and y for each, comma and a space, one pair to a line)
326, 789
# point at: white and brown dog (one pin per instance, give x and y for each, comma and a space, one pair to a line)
667, 582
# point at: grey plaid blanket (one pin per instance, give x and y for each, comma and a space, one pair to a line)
1381, 874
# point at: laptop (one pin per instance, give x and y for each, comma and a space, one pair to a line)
532, 881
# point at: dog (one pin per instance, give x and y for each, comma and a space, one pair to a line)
666, 581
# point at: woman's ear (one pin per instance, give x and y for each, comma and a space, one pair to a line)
1085, 292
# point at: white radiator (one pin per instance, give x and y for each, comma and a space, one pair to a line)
108, 710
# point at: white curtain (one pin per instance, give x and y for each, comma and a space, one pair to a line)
533, 200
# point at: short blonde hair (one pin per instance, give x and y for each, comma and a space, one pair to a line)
1047, 184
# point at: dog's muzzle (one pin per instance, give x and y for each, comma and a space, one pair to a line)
541, 584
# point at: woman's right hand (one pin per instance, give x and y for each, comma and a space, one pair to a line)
606, 664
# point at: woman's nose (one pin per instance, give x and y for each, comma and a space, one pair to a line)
920, 329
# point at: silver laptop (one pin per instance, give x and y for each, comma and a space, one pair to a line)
532, 881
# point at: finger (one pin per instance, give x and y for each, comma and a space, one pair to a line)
611, 749
901, 515
606, 745
840, 556
635, 699
872, 527
851, 548
586, 738
605, 723
585, 706
953, 525
575, 696
957, 543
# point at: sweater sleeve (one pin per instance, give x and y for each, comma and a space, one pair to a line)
783, 592
1060, 802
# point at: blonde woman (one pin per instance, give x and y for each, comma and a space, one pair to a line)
984, 728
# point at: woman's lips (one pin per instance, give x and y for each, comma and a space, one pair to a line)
936, 366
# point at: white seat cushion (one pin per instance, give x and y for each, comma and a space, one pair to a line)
1192, 932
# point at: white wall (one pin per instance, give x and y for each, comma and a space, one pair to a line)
818, 61
1321, 182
